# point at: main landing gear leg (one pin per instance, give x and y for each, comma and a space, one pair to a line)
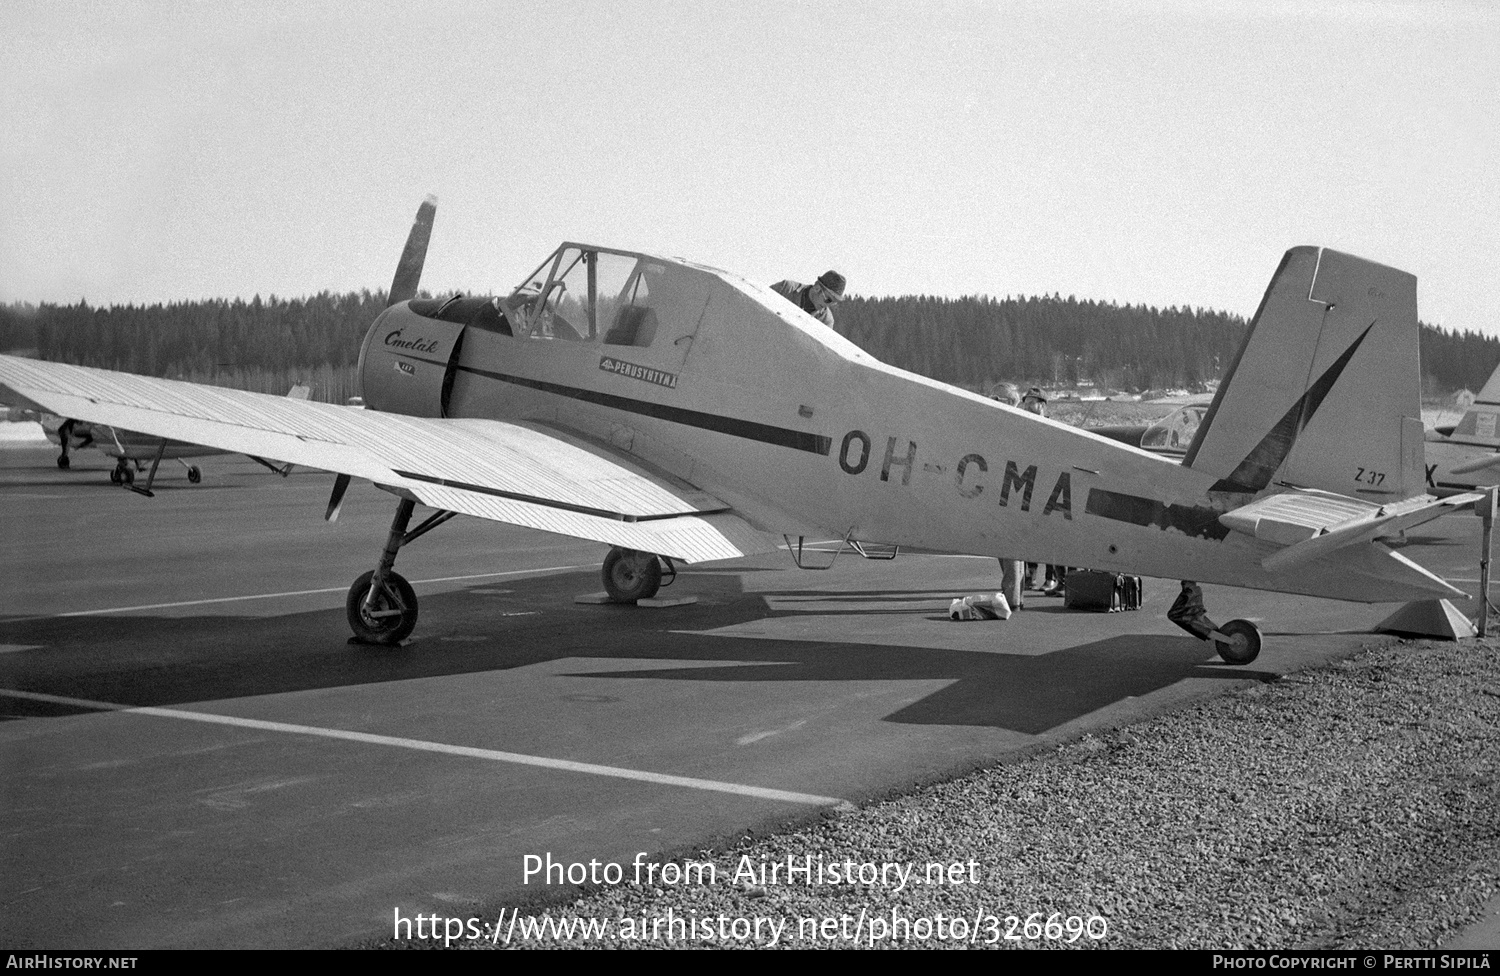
382, 607
1238, 642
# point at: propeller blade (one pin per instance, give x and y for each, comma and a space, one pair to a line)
409, 271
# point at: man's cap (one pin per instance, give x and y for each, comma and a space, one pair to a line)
1035, 393
833, 281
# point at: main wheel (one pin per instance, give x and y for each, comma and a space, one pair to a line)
1243, 645
63, 461
127, 476
115, 477
394, 615
194, 475
630, 576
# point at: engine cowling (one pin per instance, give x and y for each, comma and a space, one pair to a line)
407, 362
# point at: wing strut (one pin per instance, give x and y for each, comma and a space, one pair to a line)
155, 462
336, 499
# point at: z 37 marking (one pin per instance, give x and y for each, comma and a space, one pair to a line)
1371, 478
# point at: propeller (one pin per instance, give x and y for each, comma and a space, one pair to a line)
409, 270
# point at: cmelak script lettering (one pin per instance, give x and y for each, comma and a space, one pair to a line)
419, 344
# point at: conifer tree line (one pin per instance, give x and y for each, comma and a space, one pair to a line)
973, 341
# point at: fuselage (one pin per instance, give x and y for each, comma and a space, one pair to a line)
741, 394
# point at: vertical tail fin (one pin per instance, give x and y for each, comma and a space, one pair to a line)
1479, 424
1326, 390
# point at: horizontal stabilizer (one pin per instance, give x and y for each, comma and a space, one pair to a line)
1311, 525
1294, 516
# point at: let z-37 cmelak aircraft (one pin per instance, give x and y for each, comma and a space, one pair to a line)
681, 413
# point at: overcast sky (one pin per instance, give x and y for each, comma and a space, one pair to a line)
1155, 151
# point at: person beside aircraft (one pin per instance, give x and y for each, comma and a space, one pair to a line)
1035, 401
817, 298
1012, 571
65, 439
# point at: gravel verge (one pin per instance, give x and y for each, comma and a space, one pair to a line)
1348, 806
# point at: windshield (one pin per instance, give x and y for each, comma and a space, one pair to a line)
1176, 430
575, 295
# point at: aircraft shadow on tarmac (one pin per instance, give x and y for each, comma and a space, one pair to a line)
139, 660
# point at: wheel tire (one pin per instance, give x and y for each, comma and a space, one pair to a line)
115, 477
194, 475
398, 594
1244, 644
127, 476
630, 576
64, 462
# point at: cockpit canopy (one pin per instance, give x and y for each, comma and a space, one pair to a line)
579, 294
1174, 432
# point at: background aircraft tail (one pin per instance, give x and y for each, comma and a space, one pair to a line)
1479, 425
1326, 390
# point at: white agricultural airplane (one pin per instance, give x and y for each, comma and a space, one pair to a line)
132, 450
1467, 455
679, 412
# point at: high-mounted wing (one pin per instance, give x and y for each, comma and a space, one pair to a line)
527, 475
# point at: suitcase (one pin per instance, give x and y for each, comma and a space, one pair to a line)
1091, 589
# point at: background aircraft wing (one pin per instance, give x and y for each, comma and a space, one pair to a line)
524, 474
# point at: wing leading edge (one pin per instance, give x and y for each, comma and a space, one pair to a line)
522, 474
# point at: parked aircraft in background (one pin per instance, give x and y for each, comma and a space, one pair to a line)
131, 450
682, 413
1467, 454
1171, 436
1459, 457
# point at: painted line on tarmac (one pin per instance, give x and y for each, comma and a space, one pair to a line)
273, 596
567, 765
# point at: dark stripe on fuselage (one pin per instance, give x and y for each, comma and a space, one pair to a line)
1191, 520
549, 502
748, 429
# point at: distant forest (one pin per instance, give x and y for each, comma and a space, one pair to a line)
973, 342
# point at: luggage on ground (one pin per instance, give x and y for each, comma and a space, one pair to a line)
1092, 589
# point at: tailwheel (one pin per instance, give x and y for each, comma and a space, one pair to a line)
1243, 645
630, 576
389, 617
63, 461
194, 475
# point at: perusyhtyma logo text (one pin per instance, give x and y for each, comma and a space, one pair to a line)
611, 365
